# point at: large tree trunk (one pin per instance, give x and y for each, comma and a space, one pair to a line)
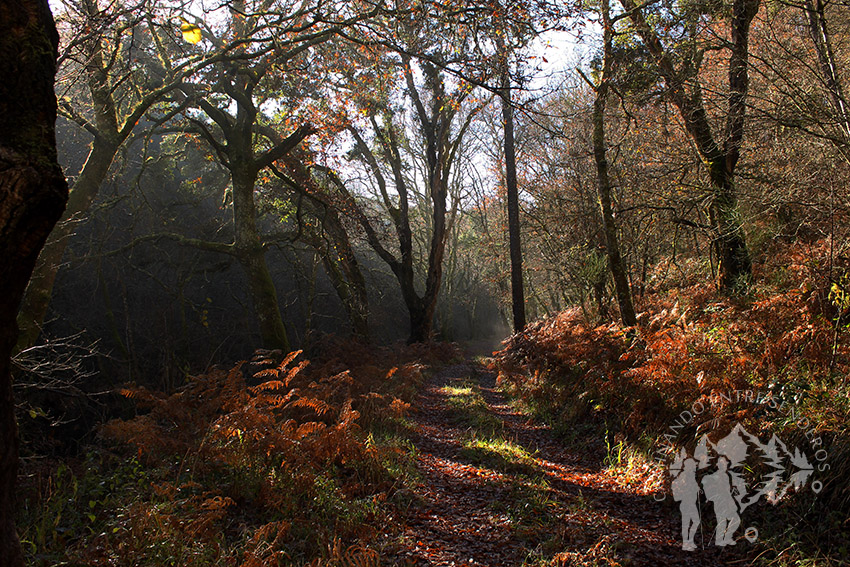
264, 299
252, 257
515, 244
735, 265
32, 196
421, 321
422, 310
603, 182
729, 244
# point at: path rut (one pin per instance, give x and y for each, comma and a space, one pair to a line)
465, 510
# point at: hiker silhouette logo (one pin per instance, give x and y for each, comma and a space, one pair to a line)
716, 470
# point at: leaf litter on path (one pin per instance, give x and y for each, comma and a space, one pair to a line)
515, 495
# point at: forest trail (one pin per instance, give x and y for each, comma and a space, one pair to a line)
498, 489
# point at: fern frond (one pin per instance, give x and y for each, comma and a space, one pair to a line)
287, 359
138, 394
357, 556
346, 414
309, 428
266, 373
279, 401
268, 385
295, 370
321, 407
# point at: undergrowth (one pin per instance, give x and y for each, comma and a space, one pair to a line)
693, 349
275, 461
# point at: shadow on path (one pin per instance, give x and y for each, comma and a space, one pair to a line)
470, 513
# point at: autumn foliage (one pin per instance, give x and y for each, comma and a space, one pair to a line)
273, 461
787, 339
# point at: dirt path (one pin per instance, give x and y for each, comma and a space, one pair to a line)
498, 490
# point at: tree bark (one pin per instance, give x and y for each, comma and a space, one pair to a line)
514, 239
252, 257
421, 320
734, 266
603, 182
33, 193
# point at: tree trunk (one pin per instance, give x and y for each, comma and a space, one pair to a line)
40, 289
427, 305
264, 299
734, 263
351, 289
340, 263
515, 244
438, 184
252, 257
330, 240
421, 321
603, 182
419, 309
33, 193
733, 259
735, 267
600, 297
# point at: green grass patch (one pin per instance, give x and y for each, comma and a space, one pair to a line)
469, 409
498, 454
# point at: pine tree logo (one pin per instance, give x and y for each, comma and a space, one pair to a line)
726, 487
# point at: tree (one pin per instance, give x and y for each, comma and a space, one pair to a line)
273, 41
830, 71
440, 129
511, 186
720, 157
118, 65
33, 193
328, 237
809, 97
612, 243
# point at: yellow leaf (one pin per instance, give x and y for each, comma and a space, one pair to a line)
191, 33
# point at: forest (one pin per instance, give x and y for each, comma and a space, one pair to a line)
360, 283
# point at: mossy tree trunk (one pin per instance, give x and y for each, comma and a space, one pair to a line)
721, 158
249, 252
33, 193
603, 181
